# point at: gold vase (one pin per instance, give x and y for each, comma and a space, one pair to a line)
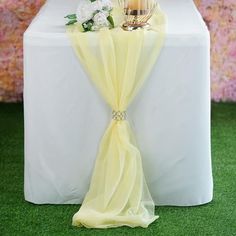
137, 13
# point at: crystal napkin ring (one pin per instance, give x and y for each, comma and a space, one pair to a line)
119, 115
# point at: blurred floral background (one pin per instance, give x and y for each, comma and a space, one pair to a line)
219, 15
15, 16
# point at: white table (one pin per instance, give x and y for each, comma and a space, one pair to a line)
65, 116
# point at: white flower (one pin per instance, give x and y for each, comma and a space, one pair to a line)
96, 6
101, 5
84, 12
106, 4
106, 13
100, 20
98, 11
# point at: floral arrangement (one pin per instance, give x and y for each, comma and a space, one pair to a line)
93, 15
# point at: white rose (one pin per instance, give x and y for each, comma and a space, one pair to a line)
100, 20
106, 13
106, 4
96, 6
84, 12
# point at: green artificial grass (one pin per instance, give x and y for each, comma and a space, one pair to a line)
218, 218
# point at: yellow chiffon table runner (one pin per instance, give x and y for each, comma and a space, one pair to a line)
118, 62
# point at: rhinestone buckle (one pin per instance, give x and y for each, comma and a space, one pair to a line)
119, 115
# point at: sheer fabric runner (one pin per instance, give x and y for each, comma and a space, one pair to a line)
118, 62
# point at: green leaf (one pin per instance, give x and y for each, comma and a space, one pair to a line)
84, 25
71, 16
88, 25
71, 22
111, 21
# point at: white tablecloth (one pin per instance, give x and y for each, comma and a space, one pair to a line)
65, 116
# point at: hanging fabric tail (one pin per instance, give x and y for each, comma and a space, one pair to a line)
118, 194
118, 62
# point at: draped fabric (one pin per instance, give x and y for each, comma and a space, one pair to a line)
118, 62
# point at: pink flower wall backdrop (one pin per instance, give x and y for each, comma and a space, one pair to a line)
220, 16
15, 16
